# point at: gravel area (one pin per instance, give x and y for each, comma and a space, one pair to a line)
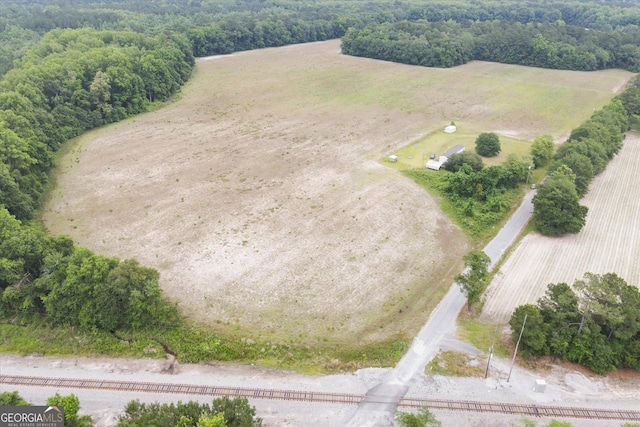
564, 387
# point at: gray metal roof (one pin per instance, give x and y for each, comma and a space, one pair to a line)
457, 149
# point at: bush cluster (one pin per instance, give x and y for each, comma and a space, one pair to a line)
50, 276
596, 324
479, 197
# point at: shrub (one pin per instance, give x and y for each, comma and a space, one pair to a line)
456, 161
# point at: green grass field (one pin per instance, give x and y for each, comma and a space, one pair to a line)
417, 154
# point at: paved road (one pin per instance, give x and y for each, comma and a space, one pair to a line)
433, 334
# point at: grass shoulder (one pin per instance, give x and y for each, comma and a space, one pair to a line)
45, 340
193, 344
482, 335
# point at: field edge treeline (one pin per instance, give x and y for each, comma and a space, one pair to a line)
447, 44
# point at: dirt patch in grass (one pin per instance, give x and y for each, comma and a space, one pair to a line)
260, 198
455, 363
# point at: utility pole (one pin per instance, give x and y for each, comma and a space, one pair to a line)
486, 372
517, 345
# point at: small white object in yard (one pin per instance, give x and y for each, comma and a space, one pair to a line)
541, 386
393, 158
450, 129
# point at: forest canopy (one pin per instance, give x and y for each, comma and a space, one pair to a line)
72, 81
223, 26
554, 45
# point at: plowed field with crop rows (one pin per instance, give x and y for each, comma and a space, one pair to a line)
609, 243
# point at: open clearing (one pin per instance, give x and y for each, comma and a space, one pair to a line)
417, 154
260, 198
609, 242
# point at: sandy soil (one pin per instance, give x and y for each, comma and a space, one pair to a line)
262, 208
565, 387
260, 198
609, 242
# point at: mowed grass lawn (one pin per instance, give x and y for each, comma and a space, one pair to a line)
418, 153
260, 197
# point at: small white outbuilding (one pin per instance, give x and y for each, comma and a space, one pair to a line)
436, 165
450, 129
540, 387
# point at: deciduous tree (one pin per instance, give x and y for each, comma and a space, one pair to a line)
534, 337
611, 303
475, 277
12, 398
488, 144
556, 205
581, 166
424, 418
542, 150
455, 162
71, 405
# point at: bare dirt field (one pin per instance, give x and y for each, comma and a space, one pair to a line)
609, 242
260, 198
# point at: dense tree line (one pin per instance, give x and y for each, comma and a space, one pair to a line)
585, 154
446, 44
45, 15
225, 26
71, 81
596, 323
235, 35
213, 27
630, 100
48, 276
223, 412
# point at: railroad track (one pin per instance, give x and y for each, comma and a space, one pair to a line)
312, 396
